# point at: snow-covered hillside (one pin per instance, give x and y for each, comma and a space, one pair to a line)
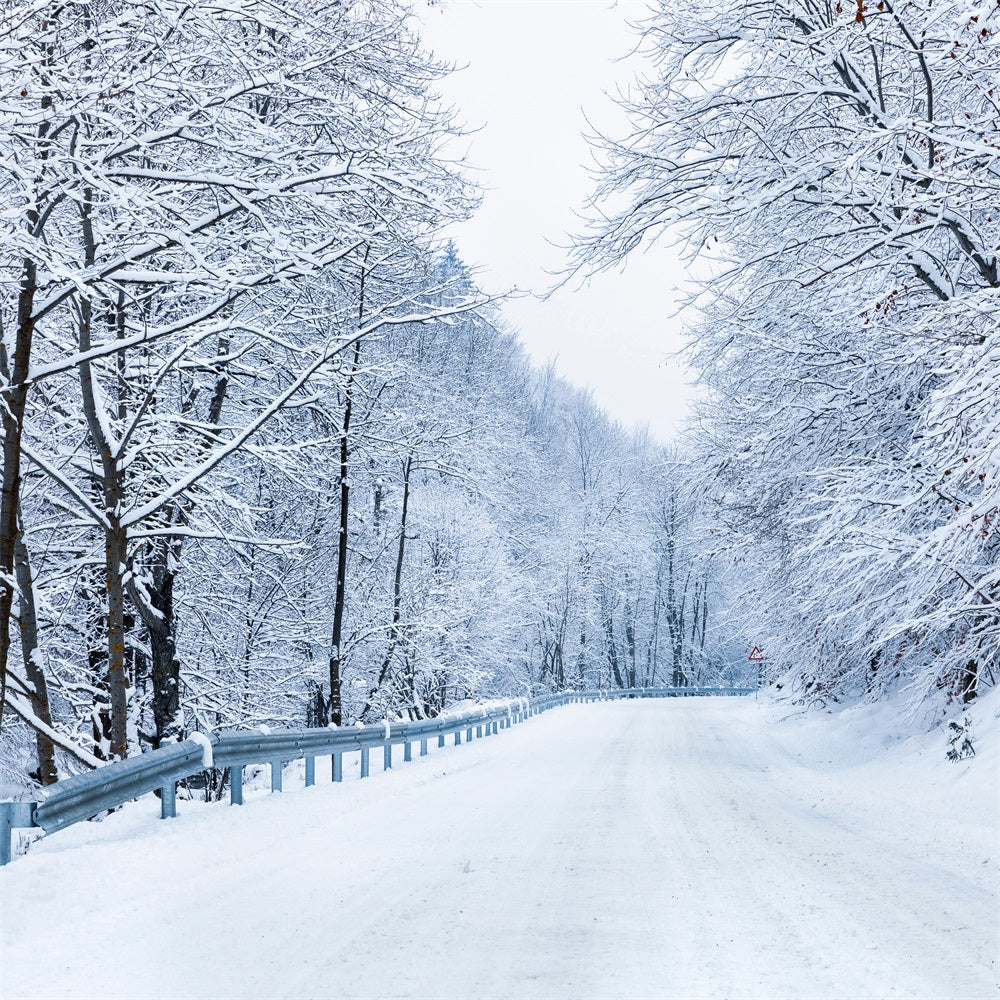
682, 848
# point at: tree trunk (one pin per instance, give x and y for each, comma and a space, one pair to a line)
13, 426
156, 608
118, 686
629, 620
397, 588
156, 603
607, 613
115, 537
340, 595
582, 657
15, 395
47, 773
969, 681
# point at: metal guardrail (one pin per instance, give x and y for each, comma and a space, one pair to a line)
84, 796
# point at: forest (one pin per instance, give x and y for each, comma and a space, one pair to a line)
272, 457
832, 172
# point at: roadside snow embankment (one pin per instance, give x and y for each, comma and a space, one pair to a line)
892, 772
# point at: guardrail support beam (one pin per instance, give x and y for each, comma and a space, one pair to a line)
310, 771
364, 762
423, 748
407, 751
387, 757
337, 762
236, 785
275, 775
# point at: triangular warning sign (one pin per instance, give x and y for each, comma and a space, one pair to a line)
755, 654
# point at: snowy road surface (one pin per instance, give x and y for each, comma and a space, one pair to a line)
682, 848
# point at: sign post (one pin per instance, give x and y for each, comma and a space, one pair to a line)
756, 656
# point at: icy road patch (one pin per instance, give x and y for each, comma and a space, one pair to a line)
681, 848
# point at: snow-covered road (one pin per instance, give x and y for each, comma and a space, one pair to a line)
682, 848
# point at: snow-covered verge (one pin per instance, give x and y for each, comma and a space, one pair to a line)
891, 763
681, 848
469, 705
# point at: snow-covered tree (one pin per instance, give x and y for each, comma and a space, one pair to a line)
834, 171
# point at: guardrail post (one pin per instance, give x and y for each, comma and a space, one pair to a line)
423, 748
236, 785
337, 761
310, 771
440, 739
6, 831
12, 816
407, 751
479, 732
387, 757
364, 762
168, 800
458, 736
275, 775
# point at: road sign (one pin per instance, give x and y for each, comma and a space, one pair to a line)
756, 656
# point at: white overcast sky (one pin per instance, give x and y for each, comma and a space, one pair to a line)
530, 70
